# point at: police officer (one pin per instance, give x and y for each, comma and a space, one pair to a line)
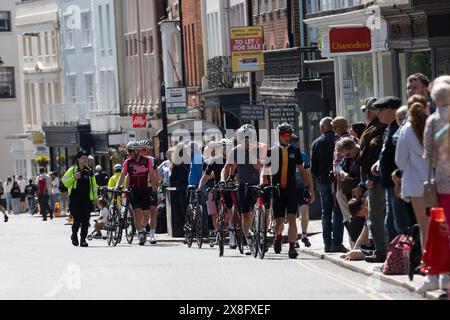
80, 182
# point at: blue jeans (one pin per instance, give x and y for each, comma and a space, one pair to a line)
8, 202
332, 224
31, 204
402, 217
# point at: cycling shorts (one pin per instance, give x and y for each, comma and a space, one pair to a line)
140, 199
286, 202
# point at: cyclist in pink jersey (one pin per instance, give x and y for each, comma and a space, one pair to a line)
151, 225
139, 170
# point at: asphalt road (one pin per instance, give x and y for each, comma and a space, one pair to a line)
38, 261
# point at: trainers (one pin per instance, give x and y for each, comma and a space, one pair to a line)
444, 279
152, 239
247, 250
293, 254
277, 246
142, 238
306, 242
84, 244
327, 248
430, 283
377, 257
74, 239
232, 244
6, 218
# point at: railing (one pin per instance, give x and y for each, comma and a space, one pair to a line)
65, 114
219, 74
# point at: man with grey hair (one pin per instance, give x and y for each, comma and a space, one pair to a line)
322, 168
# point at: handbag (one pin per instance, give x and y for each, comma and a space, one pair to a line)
429, 187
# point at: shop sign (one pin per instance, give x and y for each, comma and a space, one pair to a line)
139, 121
247, 49
176, 102
343, 40
280, 112
252, 112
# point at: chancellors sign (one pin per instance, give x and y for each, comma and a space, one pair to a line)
355, 39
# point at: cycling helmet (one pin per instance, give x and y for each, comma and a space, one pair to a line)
225, 142
247, 130
285, 128
117, 167
145, 144
133, 145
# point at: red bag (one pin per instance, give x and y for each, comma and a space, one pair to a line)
396, 262
437, 254
42, 186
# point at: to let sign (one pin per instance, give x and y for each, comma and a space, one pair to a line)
252, 112
247, 49
139, 121
343, 40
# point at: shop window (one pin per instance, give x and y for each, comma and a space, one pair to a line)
442, 61
357, 85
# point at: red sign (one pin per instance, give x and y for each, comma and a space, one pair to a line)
350, 40
139, 121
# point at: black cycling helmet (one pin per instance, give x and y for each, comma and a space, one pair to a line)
285, 128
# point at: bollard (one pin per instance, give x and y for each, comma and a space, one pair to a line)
57, 210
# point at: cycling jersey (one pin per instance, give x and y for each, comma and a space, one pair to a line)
288, 159
138, 171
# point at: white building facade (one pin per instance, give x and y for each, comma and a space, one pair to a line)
10, 98
40, 73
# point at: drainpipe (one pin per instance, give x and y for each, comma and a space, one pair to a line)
302, 25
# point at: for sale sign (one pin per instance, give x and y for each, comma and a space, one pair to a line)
247, 49
139, 121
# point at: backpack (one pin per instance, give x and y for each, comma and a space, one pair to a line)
42, 186
397, 258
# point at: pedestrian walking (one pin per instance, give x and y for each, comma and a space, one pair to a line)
44, 184
31, 191
22, 184
80, 181
15, 195
55, 196
64, 194
7, 189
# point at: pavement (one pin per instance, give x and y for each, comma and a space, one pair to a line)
37, 261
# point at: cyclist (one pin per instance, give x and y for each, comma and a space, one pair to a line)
244, 159
139, 170
283, 160
302, 201
150, 226
213, 171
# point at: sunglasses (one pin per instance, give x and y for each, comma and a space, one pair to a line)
286, 135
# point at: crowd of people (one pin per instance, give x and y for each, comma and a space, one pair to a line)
370, 176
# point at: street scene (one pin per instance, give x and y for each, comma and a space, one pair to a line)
266, 150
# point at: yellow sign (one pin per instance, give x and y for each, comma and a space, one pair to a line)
247, 49
37, 137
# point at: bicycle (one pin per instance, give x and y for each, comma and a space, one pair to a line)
220, 189
260, 228
193, 220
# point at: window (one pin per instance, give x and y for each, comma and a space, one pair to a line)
283, 4
256, 12
39, 45
277, 4
100, 18
270, 6
109, 27
7, 84
5, 21
86, 25
263, 6
47, 51
72, 79
69, 35
144, 44
90, 90
150, 43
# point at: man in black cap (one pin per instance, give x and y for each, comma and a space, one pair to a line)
80, 181
384, 167
371, 142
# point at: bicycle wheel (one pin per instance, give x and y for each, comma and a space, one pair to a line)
129, 224
121, 226
238, 232
116, 229
254, 237
189, 226
199, 226
262, 232
221, 232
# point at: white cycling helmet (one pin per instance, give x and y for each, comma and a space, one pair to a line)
117, 167
247, 130
133, 145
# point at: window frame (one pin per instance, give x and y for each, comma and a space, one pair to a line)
8, 27
8, 82
87, 32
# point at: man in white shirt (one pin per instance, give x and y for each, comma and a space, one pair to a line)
22, 184
55, 190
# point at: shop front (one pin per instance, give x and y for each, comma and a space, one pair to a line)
362, 62
64, 143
